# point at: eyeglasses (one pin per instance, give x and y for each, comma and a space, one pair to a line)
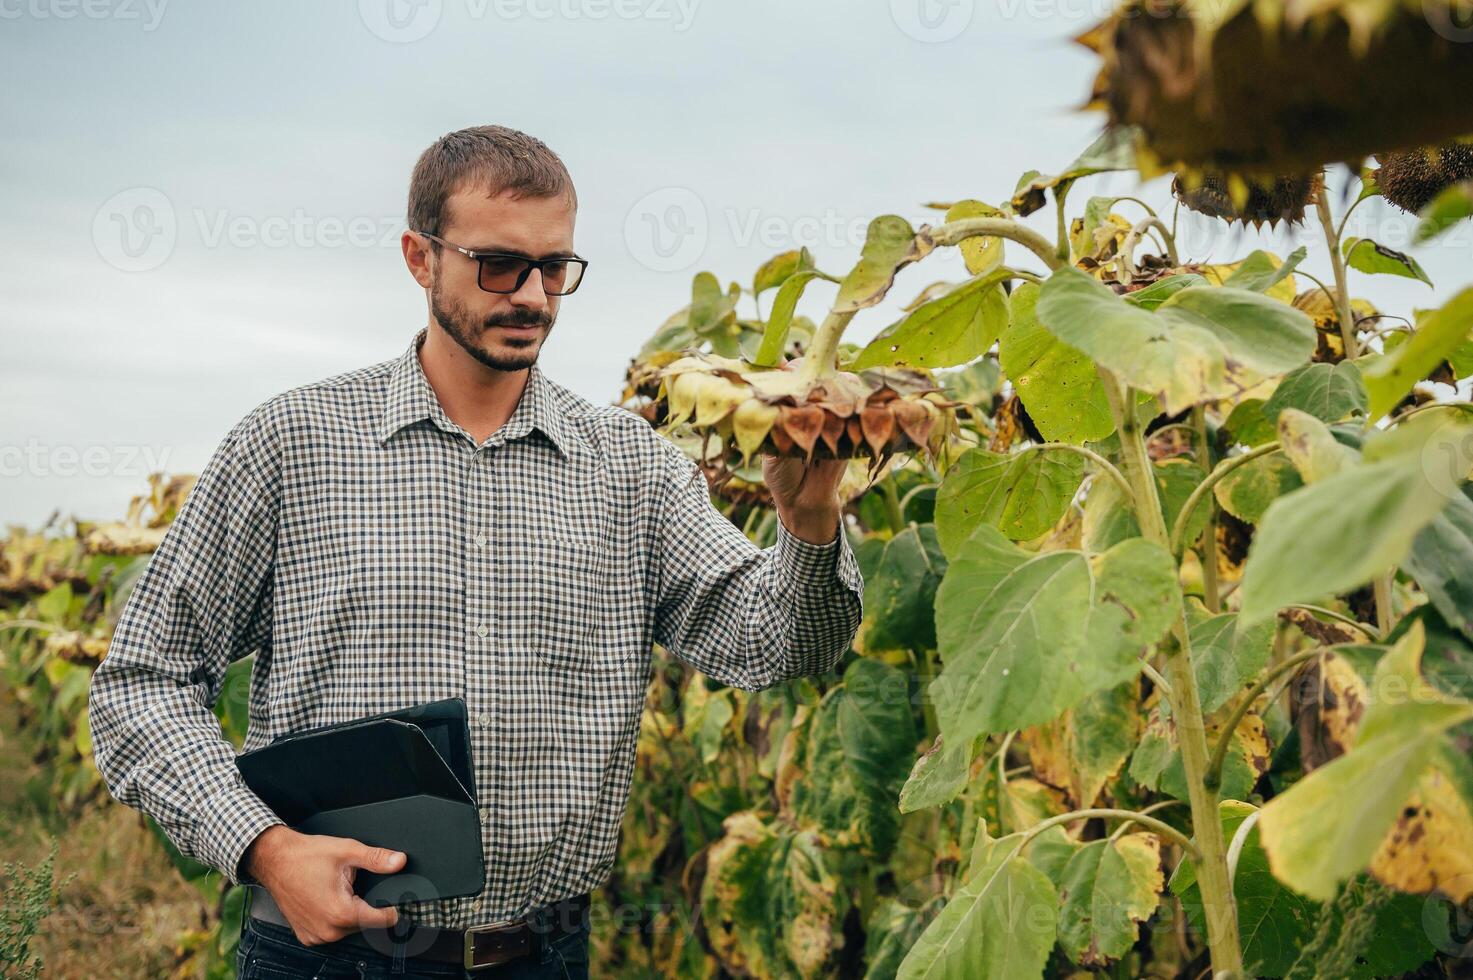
501, 272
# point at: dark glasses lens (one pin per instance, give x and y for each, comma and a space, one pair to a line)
503, 274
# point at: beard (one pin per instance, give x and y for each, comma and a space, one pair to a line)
466, 328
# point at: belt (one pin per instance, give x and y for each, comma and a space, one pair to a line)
473, 948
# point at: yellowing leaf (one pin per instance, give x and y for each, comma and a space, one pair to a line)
1430, 845
1261, 271
1107, 888
890, 244
981, 254
954, 329
1327, 827
1310, 446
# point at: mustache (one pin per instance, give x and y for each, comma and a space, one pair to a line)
528, 320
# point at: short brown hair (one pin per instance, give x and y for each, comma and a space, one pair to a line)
500, 159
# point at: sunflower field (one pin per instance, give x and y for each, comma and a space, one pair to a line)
1167, 661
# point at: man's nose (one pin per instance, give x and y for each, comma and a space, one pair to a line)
531, 295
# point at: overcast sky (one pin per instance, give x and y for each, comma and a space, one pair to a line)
202, 200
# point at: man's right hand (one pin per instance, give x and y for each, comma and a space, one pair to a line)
310, 876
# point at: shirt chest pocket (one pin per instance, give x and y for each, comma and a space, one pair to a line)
567, 593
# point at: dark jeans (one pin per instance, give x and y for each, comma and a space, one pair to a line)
270, 952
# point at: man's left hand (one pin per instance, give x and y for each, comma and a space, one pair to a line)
806, 496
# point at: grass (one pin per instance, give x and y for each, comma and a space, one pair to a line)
122, 910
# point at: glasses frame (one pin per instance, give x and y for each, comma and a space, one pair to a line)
527, 266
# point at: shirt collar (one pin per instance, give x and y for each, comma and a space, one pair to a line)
410, 398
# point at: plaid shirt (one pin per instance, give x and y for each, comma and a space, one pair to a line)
373, 557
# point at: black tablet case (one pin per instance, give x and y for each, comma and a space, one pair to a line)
402, 780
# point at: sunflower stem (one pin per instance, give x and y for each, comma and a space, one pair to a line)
1132, 239
954, 232
1111, 813
1343, 310
1089, 454
1207, 547
1384, 612
1219, 754
1062, 248
821, 360
1205, 487
1218, 904
822, 357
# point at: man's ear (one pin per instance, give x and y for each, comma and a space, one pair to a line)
417, 257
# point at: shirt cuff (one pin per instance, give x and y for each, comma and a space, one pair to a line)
817, 569
233, 817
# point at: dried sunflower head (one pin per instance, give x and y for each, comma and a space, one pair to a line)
875, 413
1250, 200
642, 385
1410, 179
1280, 86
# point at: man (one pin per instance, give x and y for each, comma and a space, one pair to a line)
452, 523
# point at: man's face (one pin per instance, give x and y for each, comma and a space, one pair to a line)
503, 331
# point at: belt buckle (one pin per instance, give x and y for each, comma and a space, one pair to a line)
507, 941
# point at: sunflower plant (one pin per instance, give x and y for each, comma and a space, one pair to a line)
1175, 568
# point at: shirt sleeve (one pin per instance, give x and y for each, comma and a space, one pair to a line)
202, 602
748, 617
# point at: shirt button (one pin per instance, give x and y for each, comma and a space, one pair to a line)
483, 630
485, 719
481, 540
